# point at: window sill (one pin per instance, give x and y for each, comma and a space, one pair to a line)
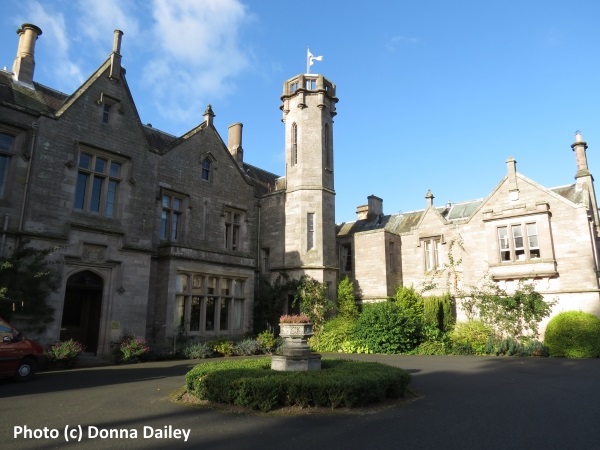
523, 269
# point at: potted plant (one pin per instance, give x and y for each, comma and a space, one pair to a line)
63, 354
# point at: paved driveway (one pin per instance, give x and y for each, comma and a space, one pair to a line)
465, 403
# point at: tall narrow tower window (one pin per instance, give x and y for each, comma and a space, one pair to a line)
310, 227
326, 147
294, 144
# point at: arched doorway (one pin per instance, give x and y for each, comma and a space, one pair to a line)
81, 310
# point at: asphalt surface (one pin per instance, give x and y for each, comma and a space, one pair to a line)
462, 403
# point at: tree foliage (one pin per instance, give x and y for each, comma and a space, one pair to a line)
346, 302
312, 297
517, 314
26, 279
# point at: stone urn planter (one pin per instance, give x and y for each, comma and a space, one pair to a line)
296, 354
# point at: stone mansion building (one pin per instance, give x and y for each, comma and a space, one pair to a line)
156, 234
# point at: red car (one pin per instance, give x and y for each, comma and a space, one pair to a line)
19, 357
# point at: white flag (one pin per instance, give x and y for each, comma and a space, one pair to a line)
312, 58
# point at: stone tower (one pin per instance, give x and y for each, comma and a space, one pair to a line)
308, 105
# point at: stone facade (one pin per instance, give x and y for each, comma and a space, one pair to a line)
153, 234
520, 231
156, 235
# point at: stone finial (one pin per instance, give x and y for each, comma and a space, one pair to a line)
208, 115
429, 197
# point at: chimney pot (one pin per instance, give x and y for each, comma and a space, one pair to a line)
234, 142
24, 64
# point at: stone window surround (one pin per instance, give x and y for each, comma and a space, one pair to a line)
119, 194
222, 292
233, 229
426, 242
184, 203
545, 266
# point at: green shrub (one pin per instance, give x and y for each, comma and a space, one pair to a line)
334, 333
508, 346
267, 342
435, 342
198, 350
471, 337
225, 348
574, 334
386, 327
247, 347
251, 383
346, 301
410, 302
161, 352
439, 312
353, 346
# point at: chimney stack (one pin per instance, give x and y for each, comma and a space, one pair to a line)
115, 57
234, 142
372, 210
511, 174
579, 147
24, 64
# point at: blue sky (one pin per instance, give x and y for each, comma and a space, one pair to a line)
433, 94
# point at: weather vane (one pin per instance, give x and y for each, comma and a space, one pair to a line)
310, 59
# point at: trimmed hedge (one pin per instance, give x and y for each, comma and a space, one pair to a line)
574, 334
340, 383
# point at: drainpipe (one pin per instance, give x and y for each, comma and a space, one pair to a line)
34, 127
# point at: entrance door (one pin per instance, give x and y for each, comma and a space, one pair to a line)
81, 310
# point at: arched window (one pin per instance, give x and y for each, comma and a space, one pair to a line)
294, 144
206, 169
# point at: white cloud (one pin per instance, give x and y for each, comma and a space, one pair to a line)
56, 43
397, 41
98, 19
198, 54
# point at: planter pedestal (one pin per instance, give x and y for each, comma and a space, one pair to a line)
296, 352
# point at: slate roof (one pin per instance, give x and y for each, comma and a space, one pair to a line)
569, 192
395, 223
41, 100
264, 181
462, 210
